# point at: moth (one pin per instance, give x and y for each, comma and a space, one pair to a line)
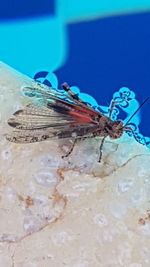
62, 114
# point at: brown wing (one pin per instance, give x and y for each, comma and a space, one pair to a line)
53, 115
45, 95
35, 124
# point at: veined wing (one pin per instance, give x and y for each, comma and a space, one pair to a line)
35, 117
38, 135
38, 89
35, 124
48, 95
54, 115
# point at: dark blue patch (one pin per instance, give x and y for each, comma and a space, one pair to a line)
110, 53
41, 77
16, 9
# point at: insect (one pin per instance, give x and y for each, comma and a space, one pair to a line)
58, 114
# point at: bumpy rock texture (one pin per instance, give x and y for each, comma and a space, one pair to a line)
73, 212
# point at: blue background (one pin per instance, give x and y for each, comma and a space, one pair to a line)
99, 54
16, 9
110, 53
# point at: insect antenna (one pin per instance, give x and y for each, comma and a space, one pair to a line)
137, 110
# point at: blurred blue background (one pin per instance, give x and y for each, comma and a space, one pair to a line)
99, 46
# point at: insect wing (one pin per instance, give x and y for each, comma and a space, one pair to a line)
35, 124
54, 114
46, 95
35, 117
42, 91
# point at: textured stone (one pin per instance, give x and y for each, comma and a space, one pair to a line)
73, 212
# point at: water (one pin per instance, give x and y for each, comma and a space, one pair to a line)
98, 54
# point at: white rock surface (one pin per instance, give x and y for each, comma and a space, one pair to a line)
73, 212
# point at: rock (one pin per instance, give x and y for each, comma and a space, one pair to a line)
75, 211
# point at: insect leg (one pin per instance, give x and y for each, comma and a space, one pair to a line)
71, 149
113, 103
101, 148
73, 145
83, 138
66, 87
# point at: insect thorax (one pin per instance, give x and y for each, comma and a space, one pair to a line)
107, 127
117, 129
